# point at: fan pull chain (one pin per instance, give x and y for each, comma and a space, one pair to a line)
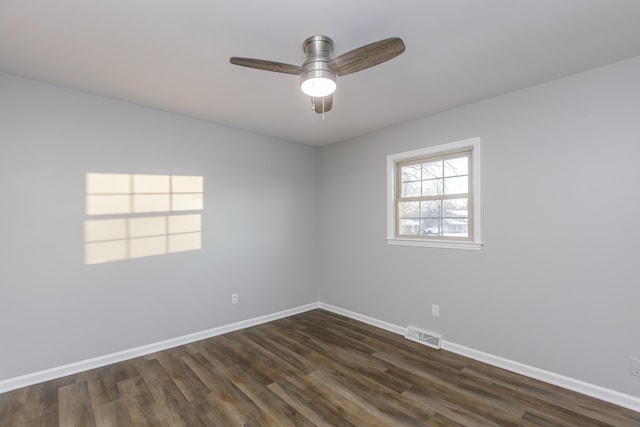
323, 108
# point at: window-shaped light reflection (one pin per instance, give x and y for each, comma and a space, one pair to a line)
107, 204
147, 226
112, 194
105, 229
187, 184
95, 253
187, 193
187, 202
184, 233
108, 183
151, 203
184, 223
185, 242
147, 246
151, 184
133, 234
117, 239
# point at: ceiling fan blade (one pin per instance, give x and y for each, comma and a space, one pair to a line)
261, 64
367, 56
322, 105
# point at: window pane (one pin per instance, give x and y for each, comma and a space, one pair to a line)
457, 185
409, 210
456, 208
430, 208
430, 227
411, 189
411, 173
432, 187
432, 170
458, 166
456, 227
409, 227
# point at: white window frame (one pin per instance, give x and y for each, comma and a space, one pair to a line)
475, 242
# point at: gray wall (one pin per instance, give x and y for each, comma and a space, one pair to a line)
554, 287
259, 225
556, 284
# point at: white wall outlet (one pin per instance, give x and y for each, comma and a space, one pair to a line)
634, 366
234, 298
435, 310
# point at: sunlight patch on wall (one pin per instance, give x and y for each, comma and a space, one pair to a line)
123, 229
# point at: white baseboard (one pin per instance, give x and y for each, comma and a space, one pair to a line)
97, 362
602, 393
621, 399
608, 395
365, 319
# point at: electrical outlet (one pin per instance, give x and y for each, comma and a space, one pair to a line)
435, 310
634, 366
234, 298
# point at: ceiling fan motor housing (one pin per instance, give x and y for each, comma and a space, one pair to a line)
318, 54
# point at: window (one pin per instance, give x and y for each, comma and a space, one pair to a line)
434, 196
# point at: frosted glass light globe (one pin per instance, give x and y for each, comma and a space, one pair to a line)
318, 86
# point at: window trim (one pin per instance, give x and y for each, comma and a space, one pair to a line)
475, 242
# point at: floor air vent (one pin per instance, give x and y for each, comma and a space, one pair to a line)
422, 337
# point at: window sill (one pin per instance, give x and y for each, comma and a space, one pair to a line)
443, 244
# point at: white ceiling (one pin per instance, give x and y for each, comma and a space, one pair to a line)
174, 54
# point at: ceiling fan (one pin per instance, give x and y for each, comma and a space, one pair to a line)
319, 73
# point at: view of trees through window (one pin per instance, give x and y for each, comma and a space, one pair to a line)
433, 197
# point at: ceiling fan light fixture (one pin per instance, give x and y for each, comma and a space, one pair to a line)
318, 83
319, 72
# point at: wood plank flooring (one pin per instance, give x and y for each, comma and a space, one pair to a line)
312, 369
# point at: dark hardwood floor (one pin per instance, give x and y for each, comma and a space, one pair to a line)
315, 368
